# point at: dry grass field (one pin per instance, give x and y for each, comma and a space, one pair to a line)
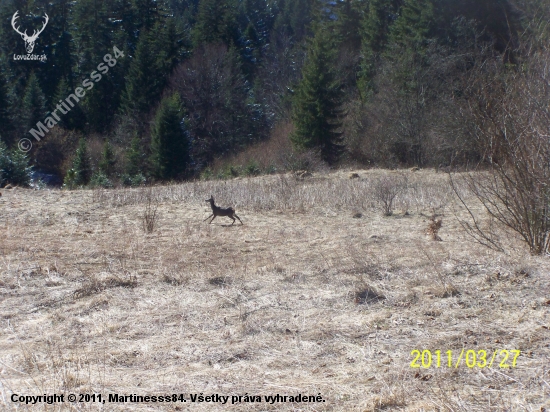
317, 292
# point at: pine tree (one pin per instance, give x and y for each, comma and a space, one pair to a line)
317, 108
169, 140
33, 105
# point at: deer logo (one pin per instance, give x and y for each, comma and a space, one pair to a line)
29, 40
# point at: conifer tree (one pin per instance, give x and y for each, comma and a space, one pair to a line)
375, 28
73, 119
294, 18
348, 23
169, 140
134, 158
108, 160
415, 24
216, 22
33, 105
317, 108
155, 57
81, 171
5, 120
147, 13
14, 166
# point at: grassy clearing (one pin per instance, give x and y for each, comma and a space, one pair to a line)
306, 297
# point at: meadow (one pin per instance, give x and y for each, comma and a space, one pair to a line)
317, 293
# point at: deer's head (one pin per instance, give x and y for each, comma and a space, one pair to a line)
29, 40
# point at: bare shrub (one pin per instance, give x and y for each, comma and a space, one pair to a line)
509, 109
94, 285
53, 155
434, 227
386, 189
89, 288
150, 216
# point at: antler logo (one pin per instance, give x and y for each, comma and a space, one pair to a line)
29, 40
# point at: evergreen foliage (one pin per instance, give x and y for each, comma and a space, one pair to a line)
81, 170
375, 28
415, 24
243, 68
216, 22
169, 140
317, 109
14, 167
33, 105
134, 158
5, 118
108, 160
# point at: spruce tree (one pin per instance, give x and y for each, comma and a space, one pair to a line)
375, 32
294, 18
317, 107
155, 57
348, 24
147, 13
216, 22
410, 37
81, 170
5, 120
14, 167
416, 23
169, 140
73, 119
134, 158
33, 105
108, 160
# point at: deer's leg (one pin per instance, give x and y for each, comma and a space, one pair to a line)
208, 217
238, 218
233, 220
213, 219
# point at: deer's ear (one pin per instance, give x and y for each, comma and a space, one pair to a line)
23, 36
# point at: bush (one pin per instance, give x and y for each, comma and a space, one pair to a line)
386, 189
508, 109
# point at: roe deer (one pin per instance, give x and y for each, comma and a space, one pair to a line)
221, 211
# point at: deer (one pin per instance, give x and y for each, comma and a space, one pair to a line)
221, 211
29, 40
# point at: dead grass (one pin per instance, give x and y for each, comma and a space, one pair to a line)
90, 303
